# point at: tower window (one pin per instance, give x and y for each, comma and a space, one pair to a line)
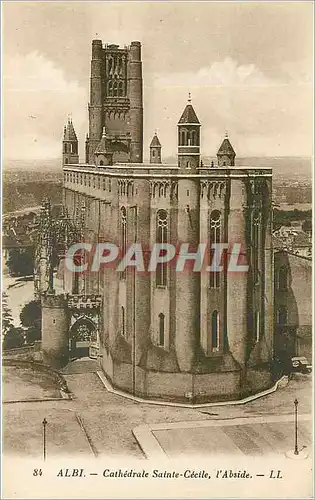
123, 321
161, 237
66, 161
101, 163
123, 220
183, 138
215, 331
282, 281
193, 138
257, 326
282, 316
153, 152
215, 237
256, 228
121, 88
115, 88
161, 329
110, 89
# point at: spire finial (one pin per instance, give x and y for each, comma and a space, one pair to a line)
104, 132
189, 97
155, 131
226, 134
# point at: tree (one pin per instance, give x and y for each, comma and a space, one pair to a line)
21, 261
12, 337
307, 225
7, 319
32, 334
31, 318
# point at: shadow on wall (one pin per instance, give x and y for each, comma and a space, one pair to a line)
292, 311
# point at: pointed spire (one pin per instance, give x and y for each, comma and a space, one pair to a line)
226, 147
69, 132
189, 115
155, 141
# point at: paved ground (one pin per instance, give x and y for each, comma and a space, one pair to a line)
24, 383
108, 419
234, 437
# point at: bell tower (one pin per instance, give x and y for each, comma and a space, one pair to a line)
69, 145
189, 139
155, 150
226, 154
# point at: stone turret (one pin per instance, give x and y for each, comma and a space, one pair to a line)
155, 150
102, 155
189, 139
226, 154
70, 145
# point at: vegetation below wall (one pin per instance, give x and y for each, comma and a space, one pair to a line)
286, 217
20, 195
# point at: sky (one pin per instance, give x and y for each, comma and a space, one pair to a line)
248, 66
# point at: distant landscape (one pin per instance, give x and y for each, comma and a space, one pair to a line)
26, 183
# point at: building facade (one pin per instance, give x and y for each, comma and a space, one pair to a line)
175, 335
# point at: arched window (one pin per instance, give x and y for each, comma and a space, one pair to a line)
115, 88
215, 331
110, 65
110, 89
193, 138
123, 243
183, 138
161, 237
101, 163
282, 282
153, 152
66, 161
121, 88
123, 321
256, 228
257, 326
215, 237
282, 316
161, 329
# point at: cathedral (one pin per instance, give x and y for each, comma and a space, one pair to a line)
187, 336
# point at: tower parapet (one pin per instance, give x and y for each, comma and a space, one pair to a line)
116, 101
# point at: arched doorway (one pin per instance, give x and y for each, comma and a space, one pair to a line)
83, 339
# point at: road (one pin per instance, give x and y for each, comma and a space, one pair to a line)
108, 420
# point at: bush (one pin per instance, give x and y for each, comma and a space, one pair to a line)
13, 338
31, 314
32, 334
